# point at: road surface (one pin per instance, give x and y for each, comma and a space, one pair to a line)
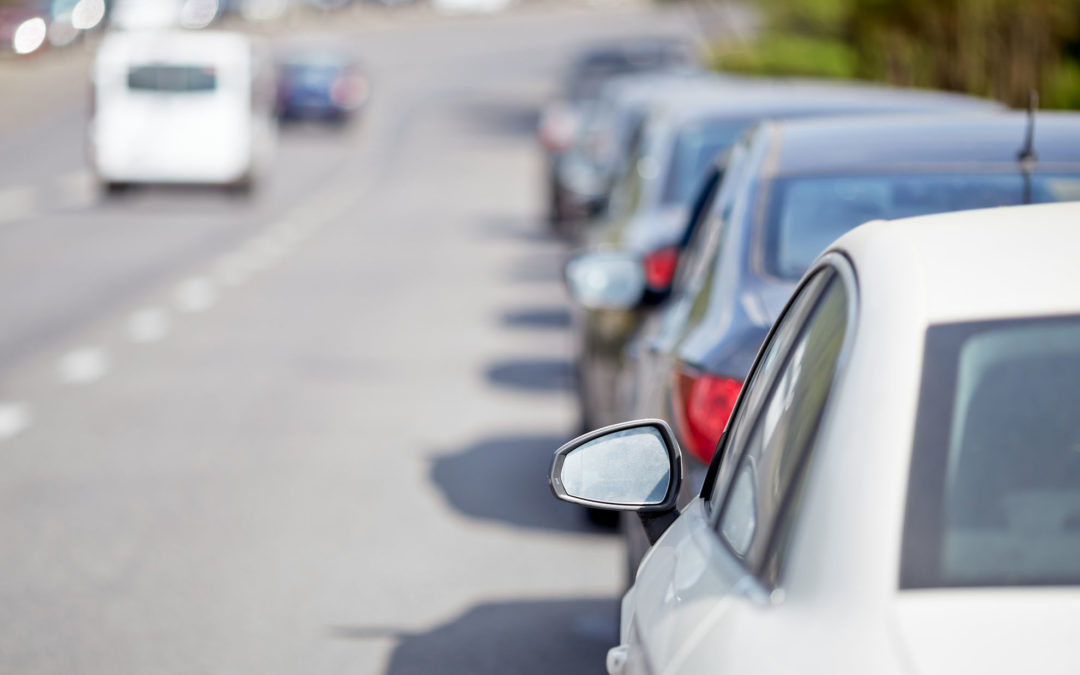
305, 432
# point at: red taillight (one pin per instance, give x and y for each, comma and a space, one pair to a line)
660, 268
558, 127
348, 91
702, 405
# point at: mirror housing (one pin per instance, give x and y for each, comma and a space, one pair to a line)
608, 279
633, 466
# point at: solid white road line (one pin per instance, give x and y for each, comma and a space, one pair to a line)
148, 325
196, 294
83, 365
14, 418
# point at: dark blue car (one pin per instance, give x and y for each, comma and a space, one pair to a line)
320, 86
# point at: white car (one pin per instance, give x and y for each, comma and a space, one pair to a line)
898, 489
181, 107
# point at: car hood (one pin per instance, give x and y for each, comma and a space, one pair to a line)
989, 630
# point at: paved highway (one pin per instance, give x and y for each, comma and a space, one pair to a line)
305, 432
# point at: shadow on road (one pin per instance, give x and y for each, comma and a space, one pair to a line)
505, 479
544, 318
515, 229
501, 118
536, 374
512, 638
541, 267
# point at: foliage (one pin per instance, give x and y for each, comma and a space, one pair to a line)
997, 48
780, 54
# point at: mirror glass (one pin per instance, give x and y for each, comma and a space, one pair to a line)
624, 467
606, 280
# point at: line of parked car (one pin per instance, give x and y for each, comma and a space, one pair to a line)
854, 447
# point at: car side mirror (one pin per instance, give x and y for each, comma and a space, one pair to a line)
634, 466
606, 279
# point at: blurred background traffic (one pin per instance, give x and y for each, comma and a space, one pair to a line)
298, 297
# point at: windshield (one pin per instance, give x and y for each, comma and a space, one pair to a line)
695, 147
994, 493
173, 79
807, 213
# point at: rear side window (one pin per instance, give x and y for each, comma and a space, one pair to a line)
695, 148
994, 489
758, 505
172, 78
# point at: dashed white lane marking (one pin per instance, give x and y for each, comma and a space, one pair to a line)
84, 365
88, 364
148, 325
14, 418
18, 202
263, 252
197, 294
289, 230
233, 270
287, 235
77, 188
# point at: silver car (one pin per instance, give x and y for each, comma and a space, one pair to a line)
898, 489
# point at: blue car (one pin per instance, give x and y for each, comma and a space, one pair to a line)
320, 86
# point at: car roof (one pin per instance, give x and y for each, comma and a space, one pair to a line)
173, 46
778, 97
1007, 262
892, 142
635, 90
751, 100
627, 50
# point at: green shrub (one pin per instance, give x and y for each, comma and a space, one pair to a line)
1061, 87
787, 54
997, 48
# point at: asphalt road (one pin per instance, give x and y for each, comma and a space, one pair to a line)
306, 432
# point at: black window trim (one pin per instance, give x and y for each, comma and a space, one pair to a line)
837, 263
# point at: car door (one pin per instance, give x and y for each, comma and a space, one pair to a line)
726, 549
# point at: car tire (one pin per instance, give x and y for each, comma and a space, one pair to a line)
113, 189
241, 188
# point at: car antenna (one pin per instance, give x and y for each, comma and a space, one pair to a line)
1027, 156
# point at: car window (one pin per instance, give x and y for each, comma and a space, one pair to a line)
172, 79
708, 309
807, 213
759, 382
695, 147
994, 487
694, 276
626, 191
783, 431
701, 237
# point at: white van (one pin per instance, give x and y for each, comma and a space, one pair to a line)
181, 107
